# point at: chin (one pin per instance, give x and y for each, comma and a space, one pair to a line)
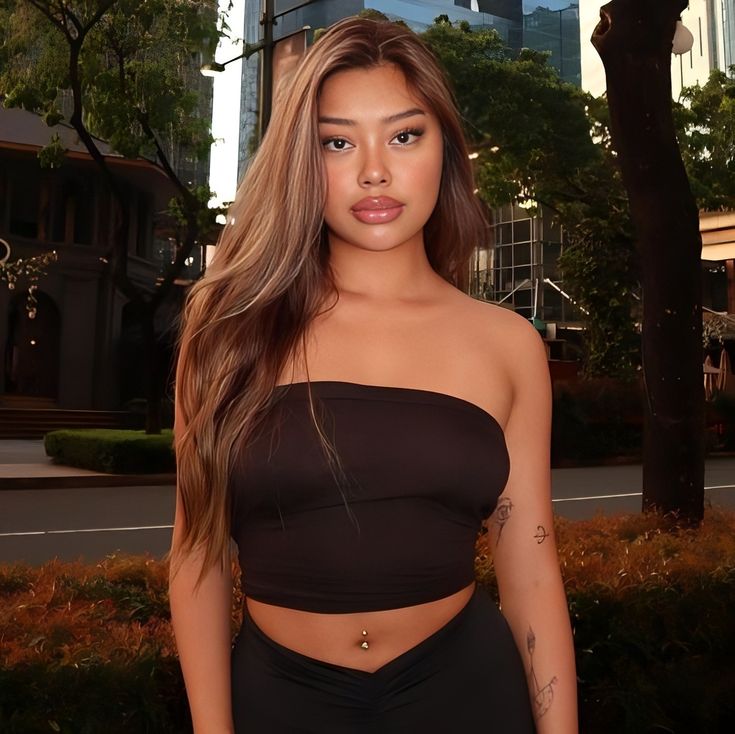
362, 240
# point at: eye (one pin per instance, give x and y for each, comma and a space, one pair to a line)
339, 144
404, 137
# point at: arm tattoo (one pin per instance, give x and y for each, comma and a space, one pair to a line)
502, 515
543, 696
541, 534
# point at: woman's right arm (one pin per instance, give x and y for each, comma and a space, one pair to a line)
201, 622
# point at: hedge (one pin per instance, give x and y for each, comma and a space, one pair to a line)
90, 648
113, 451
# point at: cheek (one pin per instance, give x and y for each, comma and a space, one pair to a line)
335, 182
428, 176
332, 186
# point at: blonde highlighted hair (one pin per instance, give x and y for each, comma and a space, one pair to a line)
247, 316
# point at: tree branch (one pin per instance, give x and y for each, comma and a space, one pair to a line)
45, 10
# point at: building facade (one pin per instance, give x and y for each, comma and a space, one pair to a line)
81, 350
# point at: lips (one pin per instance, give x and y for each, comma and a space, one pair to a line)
377, 210
372, 203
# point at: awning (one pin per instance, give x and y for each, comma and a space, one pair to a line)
718, 235
725, 251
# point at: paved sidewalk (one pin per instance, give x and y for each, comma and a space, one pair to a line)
24, 465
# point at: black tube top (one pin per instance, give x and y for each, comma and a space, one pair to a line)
424, 469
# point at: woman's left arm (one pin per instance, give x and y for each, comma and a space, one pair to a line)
521, 540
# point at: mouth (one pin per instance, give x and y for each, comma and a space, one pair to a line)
377, 209
376, 203
381, 215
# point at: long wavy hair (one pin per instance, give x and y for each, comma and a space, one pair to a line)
247, 317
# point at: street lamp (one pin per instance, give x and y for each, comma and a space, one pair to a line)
214, 67
268, 18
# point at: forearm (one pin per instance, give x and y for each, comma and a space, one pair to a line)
201, 624
539, 620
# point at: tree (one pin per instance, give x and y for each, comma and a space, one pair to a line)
123, 65
542, 140
634, 40
705, 124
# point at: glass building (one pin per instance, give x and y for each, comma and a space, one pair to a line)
554, 27
519, 267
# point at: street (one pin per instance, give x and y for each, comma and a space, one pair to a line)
37, 525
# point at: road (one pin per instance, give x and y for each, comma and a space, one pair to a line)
37, 525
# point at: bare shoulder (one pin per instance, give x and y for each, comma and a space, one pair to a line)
507, 329
512, 341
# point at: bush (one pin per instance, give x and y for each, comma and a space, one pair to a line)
596, 419
90, 648
721, 422
113, 451
652, 618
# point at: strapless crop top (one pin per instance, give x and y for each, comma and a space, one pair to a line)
424, 469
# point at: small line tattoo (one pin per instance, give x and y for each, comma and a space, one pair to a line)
502, 515
541, 534
543, 696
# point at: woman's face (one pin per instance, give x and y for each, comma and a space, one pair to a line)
382, 152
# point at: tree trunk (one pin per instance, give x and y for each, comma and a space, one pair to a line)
634, 39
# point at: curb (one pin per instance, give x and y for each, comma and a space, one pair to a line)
81, 481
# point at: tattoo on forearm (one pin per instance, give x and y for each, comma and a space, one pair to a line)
541, 534
543, 696
502, 515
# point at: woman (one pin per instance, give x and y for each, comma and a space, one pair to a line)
350, 417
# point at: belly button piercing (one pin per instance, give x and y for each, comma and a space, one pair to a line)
364, 644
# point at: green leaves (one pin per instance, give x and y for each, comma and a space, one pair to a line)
53, 155
140, 57
705, 120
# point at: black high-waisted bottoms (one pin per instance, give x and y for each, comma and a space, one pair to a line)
466, 677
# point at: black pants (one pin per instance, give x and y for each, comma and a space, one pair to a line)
466, 677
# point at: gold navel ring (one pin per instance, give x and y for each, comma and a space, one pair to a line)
364, 645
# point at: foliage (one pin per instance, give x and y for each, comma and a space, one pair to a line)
596, 419
135, 66
651, 614
112, 451
90, 647
705, 119
52, 155
543, 141
205, 217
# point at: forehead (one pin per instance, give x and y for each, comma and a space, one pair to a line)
367, 93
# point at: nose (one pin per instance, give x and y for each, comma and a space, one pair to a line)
373, 169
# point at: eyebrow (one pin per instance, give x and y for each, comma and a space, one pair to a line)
391, 118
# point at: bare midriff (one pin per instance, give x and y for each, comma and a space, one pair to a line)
339, 638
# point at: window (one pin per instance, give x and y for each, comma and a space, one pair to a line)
522, 254
522, 230
24, 197
72, 212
